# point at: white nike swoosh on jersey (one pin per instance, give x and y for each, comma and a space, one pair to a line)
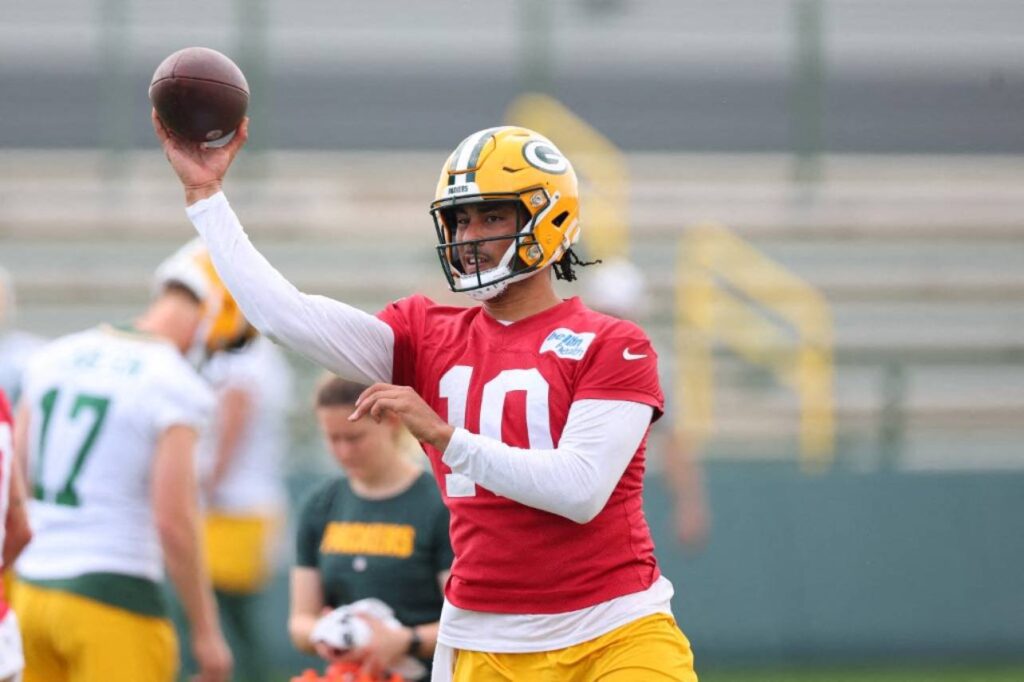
626, 355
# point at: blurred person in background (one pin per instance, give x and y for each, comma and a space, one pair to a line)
15, 533
16, 346
241, 461
380, 531
618, 287
107, 426
541, 454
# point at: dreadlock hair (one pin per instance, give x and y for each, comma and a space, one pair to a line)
564, 267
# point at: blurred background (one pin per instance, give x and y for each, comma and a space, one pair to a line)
825, 199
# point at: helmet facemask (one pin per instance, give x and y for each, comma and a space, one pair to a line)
523, 257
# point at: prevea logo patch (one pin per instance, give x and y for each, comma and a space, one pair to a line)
565, 343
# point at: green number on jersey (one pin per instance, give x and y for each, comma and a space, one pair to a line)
97, 406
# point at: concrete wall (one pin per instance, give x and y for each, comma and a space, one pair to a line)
838, 568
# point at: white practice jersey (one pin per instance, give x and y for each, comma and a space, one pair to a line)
99, 400
254, 481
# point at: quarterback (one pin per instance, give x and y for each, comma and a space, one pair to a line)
107, 425
533, 410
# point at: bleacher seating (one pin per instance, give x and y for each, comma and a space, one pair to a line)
920, 259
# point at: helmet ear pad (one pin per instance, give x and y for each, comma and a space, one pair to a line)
529, 251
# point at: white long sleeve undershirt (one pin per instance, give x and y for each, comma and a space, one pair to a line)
345, 340
573, 480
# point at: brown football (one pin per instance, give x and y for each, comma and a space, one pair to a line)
199, 94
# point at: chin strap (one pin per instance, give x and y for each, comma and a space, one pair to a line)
488, 292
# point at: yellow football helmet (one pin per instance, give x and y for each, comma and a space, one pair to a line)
223, 327
507, 164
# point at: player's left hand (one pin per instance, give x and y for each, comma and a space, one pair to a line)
421, 420
213, 658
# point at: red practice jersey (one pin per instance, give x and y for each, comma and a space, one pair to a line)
516, 383
6, 459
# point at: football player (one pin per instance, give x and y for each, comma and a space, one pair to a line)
243, 483
15, 533
107, 424
533, 410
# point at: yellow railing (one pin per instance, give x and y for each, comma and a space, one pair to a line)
729, 292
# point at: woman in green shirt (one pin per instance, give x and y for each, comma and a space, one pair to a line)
380, 531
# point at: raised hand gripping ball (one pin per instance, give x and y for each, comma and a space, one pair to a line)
199, 94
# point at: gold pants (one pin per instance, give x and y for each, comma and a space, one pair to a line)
68, 638
650, 649
239, 551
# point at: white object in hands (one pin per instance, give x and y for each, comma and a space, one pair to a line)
341, 629
344, 629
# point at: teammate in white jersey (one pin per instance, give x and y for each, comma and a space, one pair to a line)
241, 461
107, 427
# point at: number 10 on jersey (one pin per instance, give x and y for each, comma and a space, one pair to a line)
454, 388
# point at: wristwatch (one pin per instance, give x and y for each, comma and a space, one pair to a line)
415, 642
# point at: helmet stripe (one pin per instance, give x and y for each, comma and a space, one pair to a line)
467, 154
456, 155
466, 150
474, 158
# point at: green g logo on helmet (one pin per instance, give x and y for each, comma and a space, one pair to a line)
543, 155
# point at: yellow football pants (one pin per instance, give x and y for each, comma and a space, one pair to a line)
651, 649
239, 551
68, 638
